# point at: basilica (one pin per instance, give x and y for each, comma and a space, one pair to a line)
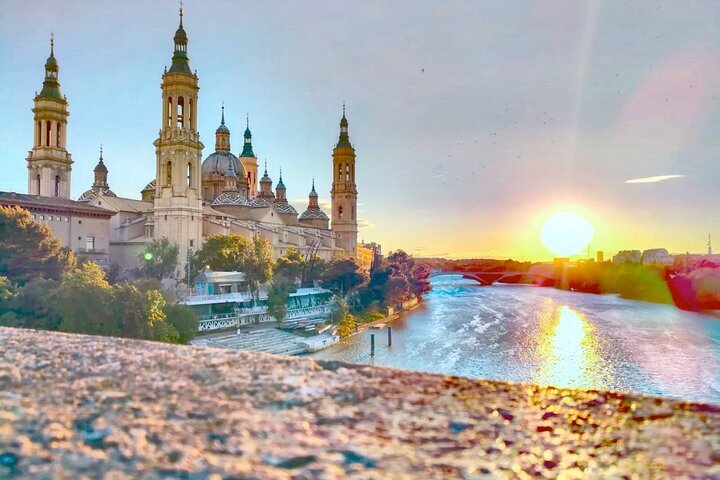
189, 198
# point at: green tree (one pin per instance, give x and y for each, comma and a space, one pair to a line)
288, 268
36, 305
222, 253
346, 326
343, 276
160, 329
84, 302
159, 259
183, 319
277, 300
258, 264
28, 250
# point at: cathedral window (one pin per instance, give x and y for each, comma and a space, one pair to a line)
190, 114
57, 185
168, 174
90, 244
189, 174
169, 112
180, 112
58, 135
340, 212
347, 172
39, 133
47, 133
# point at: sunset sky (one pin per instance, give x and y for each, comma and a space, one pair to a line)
473, 121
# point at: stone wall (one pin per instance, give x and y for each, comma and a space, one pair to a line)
74, 406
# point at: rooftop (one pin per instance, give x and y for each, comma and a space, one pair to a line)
58, 203
74, 406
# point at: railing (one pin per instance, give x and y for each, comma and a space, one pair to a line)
223, 297
226, 320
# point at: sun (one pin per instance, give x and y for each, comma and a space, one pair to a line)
565, 233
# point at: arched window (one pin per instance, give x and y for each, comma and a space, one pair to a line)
339, 177
340, 212
39, 134
347, 172
168, 174
47, 133
37, 183
189, 175
58, 135
180, 112
191, 112
57, 185
352, 213
169, 112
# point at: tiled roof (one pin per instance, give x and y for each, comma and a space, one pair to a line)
56, 203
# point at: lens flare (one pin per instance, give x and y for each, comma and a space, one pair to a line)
565, 233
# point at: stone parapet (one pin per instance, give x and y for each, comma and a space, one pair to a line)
74, 406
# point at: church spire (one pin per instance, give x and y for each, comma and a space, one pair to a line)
51, 85
101, 172
247, 145
180, 62
344, 140
222, 134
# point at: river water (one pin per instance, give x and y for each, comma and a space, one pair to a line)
550, 337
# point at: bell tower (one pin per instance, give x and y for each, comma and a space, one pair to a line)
49, 163
249, 161
344, 192
178, 204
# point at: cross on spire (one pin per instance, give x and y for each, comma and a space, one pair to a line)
52, 44
181, 12
222, 119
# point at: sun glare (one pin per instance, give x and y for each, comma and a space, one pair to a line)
566, 233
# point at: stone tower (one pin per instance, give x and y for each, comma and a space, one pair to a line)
177, 208
249, 161
49, 163
344, 192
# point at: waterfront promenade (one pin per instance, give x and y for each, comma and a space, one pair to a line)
74, 406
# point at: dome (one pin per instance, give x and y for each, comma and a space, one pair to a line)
51, 65
180, 36
313, 214
231, 198
219, 162
222, 129
149, 186
92, 193
285, 208
100, 167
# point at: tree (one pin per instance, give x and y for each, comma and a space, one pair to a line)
258, 264
222, 253
84, 302
34, 306
346, 326
277, 300
288, 268
182, 318
342, 276
159, 259
28, 250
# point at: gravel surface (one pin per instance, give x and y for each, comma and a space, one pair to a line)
74, 406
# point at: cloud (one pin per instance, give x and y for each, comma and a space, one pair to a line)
655, 179
303, 202
364, 224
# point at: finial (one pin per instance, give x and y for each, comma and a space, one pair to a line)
313, 183
52, 44
181, 12
266, 167
101, 152
281, 174
343, 108
247, 120
222, 120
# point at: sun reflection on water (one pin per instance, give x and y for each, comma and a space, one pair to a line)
568, 351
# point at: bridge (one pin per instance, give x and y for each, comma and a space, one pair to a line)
488, 278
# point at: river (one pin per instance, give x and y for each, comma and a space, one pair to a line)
550, 337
